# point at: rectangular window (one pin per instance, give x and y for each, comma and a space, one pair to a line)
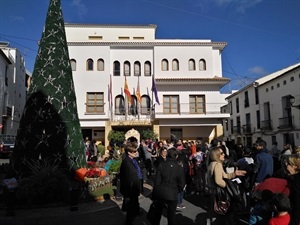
230, 108
256, 96
95, 102
237, 105
197, 104
95, 38
138, 38
124, 38
246, 101
231, 126
171, 104
258, 119
226, 125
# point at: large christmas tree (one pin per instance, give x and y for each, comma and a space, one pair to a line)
49, 127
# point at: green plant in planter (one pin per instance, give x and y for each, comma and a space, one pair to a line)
148, 134
47, 183
116, 137
115, 166
101, 149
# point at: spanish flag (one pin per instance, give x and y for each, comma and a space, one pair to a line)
126, 91
138, 93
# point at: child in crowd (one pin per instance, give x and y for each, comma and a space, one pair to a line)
262, 211
281, 205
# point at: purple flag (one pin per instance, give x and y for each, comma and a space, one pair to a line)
154, 90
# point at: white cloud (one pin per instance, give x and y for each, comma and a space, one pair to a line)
257, 70
240, 5
82, 9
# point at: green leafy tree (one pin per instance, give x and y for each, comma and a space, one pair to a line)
148, 134
116, 137
49, 127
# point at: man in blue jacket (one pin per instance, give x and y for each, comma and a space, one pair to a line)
263, 162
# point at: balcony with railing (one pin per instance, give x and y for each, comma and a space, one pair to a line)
186, 110
140, 115
266, 125
247, 129
285, 123
237, 130
132, 116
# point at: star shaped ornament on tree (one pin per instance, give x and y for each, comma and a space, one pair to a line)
51, 109
43, 139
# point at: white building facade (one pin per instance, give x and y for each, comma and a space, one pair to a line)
186, 73
13, 84
268, 109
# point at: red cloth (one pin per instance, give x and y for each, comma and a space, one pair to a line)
193, 149
276, 185
280, 220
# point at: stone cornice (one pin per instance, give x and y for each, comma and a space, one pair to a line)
110, 25
220, 45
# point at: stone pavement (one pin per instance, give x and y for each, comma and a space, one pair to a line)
108, 213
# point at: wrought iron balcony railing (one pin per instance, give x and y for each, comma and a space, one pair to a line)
266, 125
285, 122
237, 129
247, 129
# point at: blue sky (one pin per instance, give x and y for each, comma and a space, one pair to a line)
262, 36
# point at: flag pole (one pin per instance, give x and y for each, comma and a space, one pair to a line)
152, 106
111, 98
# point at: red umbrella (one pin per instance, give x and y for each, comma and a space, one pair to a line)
276, 185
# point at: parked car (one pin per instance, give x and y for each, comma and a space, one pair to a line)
7, 145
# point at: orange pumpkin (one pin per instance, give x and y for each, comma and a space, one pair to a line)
80, 174
103, 173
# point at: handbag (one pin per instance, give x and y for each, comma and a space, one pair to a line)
152, 214
221, 207
221, 201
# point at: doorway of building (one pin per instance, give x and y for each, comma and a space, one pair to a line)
87, 133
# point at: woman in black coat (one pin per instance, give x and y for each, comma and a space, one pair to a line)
292, 166
130, 183
169, 180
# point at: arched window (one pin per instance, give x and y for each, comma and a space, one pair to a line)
192, 65
175, 65
119, 105
145, 105
137, 68
89, 65
292, 79
100, 65
202, 65
164, 65
116, 68
126, 68
73, 64
147, 68
132, 108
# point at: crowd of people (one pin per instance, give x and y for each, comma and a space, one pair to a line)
197, 167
